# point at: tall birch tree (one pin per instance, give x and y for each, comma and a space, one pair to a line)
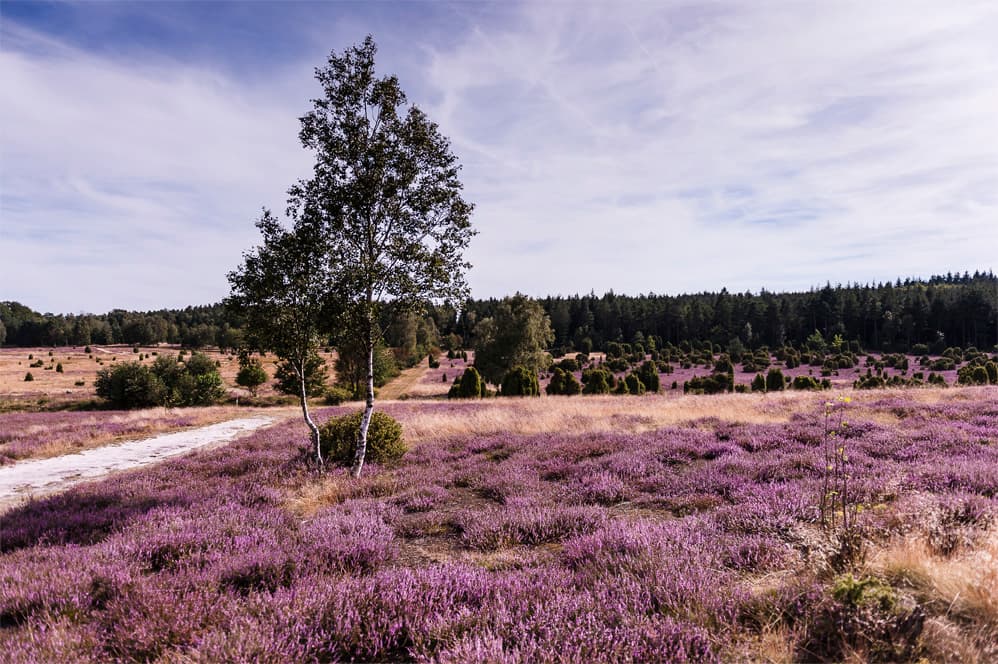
386, 192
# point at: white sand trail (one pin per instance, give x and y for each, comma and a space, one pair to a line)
32, 478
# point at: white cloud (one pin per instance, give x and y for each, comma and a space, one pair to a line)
759, 144
637, 147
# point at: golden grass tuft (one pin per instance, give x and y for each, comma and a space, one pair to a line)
966, 584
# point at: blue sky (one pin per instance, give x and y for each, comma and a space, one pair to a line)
648, 147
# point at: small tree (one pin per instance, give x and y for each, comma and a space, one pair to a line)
251, 373
385, 191
515, 335
648, 373
282, 292
468, 385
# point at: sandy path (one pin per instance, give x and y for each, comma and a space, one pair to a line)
401, 385
42, 476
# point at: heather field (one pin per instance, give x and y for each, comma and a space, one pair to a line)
553, 529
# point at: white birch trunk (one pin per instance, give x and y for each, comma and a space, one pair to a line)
365, 421
303, 396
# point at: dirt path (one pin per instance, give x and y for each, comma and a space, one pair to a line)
33, 478
406, 380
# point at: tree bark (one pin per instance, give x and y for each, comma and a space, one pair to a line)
365, 421
303, 396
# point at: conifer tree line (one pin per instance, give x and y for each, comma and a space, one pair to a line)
942, 311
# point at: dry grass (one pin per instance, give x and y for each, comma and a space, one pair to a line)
965, 584
585, 414
960, 592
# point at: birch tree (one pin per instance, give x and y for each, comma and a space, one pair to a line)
283, 290
385, 189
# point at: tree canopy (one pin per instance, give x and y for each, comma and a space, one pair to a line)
517, 334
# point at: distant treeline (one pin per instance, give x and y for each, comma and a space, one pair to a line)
950, 310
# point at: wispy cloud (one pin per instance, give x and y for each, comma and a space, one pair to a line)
639, 147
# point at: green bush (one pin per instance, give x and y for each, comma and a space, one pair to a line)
563, 382
87, 350
597, 381
336, 395
716, 383
635, 384
130, 385
648, 373
288, 382
468, 385
759, 383
520, 382
58, 368
28, 377
805, 383
338, 438
774, 380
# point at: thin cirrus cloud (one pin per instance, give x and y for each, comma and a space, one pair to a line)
638, 147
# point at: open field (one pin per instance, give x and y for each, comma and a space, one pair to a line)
555, 529
52, 389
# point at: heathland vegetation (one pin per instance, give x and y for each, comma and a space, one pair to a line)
707, 477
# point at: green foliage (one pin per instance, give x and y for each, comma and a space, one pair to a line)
131, 385
715, 383
288, 379
28, 377
351, 366
251, 373
759, 383
385, 442
597, 381
634, 384
563, 382
58, 368
334, 396
517, 334
805, 383
468, 386
775, 381
973, 375
520, 382
648, 374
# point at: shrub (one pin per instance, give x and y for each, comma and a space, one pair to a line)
774, 380
805, 383
338, 438
759, 383
58, 368
130, 385
648, 373
712, 384
87, 350
520, 382
468, 385
723, 365
80, 383
28, 377
336, 395
597, 381
563, 382
635, 384
432, 361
